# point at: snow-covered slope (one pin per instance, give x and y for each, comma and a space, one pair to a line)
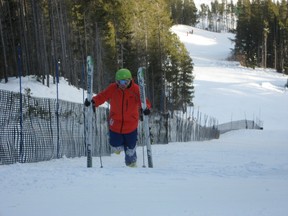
228, 91
66, 91
243, 173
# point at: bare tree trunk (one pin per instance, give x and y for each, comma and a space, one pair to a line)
59, 8
37, 51
70, 61
53, 41
23, 35
13, 60
99, 63
44, 49
4, 52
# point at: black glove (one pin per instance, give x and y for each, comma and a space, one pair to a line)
146, 111
87, 102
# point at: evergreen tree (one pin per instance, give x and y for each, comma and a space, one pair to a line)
183, 12
203, 15
261, 36
179, 76
117, 33
245, 53
281, 31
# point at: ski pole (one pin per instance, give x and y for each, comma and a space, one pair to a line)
100, 143
141, 81
143, 149
143, 157
88, 126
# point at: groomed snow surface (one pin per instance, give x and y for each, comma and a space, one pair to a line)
243, 173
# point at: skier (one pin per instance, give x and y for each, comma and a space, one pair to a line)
125, 107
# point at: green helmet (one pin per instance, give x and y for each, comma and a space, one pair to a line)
123, 74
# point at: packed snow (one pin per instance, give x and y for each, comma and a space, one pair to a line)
243, 173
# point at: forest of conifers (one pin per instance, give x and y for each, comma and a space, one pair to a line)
40, 37
261, 28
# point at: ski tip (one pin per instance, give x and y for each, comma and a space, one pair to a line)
141, 69
89, 59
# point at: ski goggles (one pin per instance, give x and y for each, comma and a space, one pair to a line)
124, 82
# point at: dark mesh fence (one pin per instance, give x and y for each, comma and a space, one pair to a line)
193, 126
179, 127
241, 124
42, 132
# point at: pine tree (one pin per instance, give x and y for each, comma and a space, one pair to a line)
183, 12
179, 69
117, 33
243, 47
260, 38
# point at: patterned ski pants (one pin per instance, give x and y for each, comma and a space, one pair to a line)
126, 142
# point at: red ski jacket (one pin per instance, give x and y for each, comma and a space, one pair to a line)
124, 106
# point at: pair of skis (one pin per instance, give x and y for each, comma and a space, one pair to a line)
88, 122
147, 139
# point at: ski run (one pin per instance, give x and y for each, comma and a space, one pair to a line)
243, 173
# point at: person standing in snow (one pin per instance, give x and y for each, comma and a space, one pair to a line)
125, 107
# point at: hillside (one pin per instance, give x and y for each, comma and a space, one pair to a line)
229, 91
244, 172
